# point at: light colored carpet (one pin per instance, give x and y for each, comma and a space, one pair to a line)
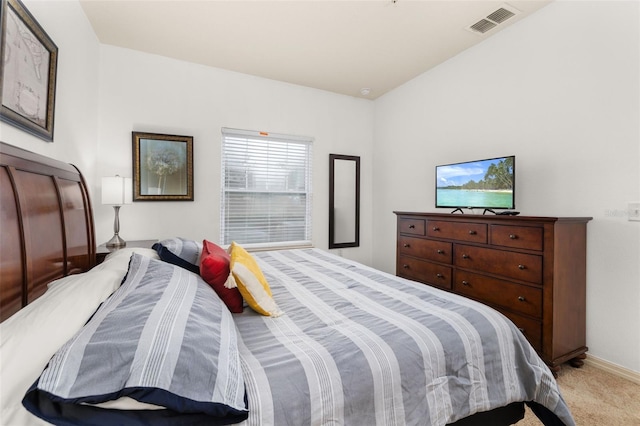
596, 398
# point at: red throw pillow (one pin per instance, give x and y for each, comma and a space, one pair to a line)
214, 269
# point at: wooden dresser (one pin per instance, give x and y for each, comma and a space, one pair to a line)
532, 269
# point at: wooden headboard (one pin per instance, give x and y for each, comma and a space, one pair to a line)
46, 225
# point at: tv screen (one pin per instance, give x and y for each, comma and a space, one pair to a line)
485, 184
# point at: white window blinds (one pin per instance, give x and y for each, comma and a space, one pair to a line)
266, 189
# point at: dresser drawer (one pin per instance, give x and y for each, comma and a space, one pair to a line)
462, 231
525, 237
531, 329
518, 266
412, 226
517, 297
438, 251
426, 272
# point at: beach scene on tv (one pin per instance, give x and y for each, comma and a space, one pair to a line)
481, 184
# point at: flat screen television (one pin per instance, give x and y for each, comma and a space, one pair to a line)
483, 184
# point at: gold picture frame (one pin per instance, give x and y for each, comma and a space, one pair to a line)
28, 67
162, 167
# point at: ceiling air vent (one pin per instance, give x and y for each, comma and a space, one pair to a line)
501, 15
482, 26
493, 19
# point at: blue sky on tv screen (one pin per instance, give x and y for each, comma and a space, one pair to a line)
459, 174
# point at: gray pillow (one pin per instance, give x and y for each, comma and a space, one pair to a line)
180, 252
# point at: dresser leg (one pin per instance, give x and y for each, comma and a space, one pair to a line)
578, 361
554, 370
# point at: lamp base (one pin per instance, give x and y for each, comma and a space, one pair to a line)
116, 242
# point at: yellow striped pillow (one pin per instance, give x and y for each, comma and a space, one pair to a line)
247, 276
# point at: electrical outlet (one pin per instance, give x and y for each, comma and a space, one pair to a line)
634, 211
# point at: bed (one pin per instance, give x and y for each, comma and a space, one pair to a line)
140, 339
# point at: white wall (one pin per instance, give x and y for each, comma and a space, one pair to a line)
150, 93
104, 93
559, 90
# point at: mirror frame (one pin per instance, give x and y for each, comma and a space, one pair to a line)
332, 240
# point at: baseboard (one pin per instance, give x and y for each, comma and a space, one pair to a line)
612, 368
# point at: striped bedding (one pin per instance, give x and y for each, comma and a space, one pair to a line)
357, 346
164, 339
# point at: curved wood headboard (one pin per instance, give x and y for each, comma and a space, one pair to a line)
46, 225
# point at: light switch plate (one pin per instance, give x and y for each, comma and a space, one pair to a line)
634, 211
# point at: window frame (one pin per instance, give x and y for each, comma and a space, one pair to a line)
230, 138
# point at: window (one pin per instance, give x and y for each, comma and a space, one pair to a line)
266, 189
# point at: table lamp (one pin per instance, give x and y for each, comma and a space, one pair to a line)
116, 191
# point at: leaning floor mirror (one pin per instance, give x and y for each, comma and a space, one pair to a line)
344, 201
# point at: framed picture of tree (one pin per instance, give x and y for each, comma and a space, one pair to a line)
162, 167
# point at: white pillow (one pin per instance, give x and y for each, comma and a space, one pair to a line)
30, 337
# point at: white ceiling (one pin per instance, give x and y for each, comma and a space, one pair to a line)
337, 45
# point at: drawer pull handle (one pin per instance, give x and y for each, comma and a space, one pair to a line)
465, 256
412, 226
521, 298
405, 266
435, 228
407, 245
440, 251
521, 330
439, 275
465, 282
521, 267
472, 232
513, 236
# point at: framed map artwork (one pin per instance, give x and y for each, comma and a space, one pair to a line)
29, 59
162, 167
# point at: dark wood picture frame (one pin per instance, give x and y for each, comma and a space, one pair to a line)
162, 167
27, 87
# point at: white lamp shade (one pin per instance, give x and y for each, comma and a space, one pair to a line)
116, 190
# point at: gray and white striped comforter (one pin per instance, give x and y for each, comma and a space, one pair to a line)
163, 338
360, 347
